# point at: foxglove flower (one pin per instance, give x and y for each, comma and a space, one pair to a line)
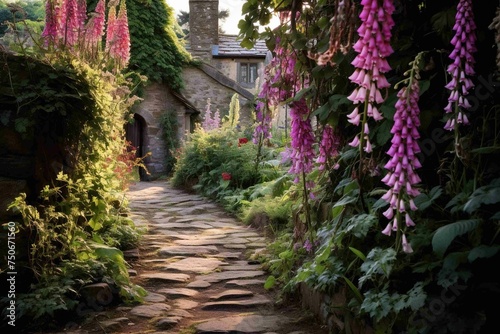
95, 27
71, 26
403, 162
328, 147
110, 28
462, 66
208, 121
263, 118
302, 155
373, 47
51, 22
121, 50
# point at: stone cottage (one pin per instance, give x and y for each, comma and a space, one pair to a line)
225, 69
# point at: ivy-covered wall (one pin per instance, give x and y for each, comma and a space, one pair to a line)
41, 109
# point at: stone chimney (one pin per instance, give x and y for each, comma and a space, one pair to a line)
203, 27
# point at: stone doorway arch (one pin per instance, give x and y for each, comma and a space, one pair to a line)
136, 134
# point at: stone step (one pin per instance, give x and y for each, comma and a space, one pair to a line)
241, 324
237, 305
232, 294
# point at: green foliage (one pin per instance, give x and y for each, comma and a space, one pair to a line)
31, 11
275, 211
49, 297
207, 155
156, 51
382, 304
170, 127
446, 234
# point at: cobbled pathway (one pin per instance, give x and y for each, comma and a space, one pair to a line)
193, 261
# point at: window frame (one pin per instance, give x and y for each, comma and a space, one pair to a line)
245, 73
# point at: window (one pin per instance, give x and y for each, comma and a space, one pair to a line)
247, 74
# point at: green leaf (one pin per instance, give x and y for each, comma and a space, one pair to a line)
383, 133
345, 200
482, 251
489, 194
354, 289
359, 225
378, 262
423, 201
446, 234
270, 282
424, 86
358, 253
247, 43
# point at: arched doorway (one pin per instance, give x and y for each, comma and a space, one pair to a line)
135, 133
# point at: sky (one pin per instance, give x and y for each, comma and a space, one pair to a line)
234, 7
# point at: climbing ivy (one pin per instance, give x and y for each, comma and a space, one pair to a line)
156, 51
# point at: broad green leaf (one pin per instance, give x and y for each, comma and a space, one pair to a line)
446, 234
345, 200
489, 194
482, 251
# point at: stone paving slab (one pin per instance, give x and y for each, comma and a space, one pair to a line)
207, 242
194, 265
166, 277
244, 324
232, 293
178, 292
233, 305
150, 310
186, 250
230, 275
245, 282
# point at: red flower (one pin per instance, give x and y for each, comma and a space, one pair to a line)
226, 176
242, 141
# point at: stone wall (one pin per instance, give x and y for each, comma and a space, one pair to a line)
158, 100
199, 87
229, 67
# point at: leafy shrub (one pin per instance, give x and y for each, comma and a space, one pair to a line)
207, 155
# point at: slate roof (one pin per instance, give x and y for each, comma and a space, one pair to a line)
229, 47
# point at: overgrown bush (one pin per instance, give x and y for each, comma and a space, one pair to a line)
216, 162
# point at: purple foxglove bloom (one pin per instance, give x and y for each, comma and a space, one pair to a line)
373, 47
71, 26
95, 26
401, 177
462, 66
302, 139
119, 47
406, 245
328, 147
51, 22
